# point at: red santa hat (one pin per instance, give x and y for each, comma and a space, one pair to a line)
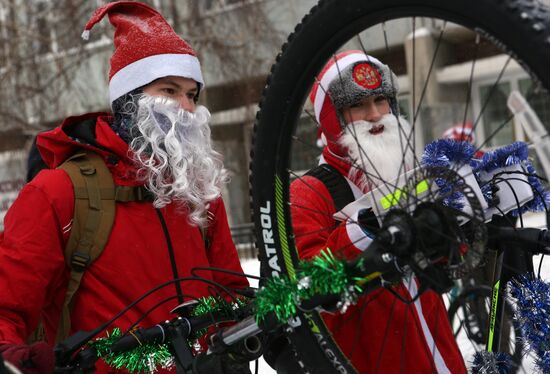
146, 48
346, 79
460, 132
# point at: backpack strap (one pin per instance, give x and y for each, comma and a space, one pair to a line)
336, 183
95, 201
94, 214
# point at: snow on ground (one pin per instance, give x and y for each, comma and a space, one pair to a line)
253, 267
530, 220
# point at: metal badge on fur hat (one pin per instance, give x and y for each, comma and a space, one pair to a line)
362, 80
366, 76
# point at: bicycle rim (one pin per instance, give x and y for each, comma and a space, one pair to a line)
508, 36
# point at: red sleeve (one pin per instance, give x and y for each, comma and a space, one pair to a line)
314, 227
222, 252
32, 263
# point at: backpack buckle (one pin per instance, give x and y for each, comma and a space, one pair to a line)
87, 170
79, 261
139, 194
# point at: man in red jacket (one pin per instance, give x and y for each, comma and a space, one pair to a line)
158, 137
366, 145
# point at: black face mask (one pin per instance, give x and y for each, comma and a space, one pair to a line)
124, 112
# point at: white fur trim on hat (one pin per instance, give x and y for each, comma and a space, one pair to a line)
146, 70
332, 73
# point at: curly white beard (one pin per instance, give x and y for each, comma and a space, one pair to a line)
380, 158
174, 154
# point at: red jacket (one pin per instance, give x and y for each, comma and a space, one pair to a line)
33, 274
380, 333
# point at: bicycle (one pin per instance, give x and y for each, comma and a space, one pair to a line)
77, 355
373, 27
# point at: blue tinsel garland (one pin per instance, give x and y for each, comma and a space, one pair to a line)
542, 197
445, 153
509, 155
491, 363
532, 298
513, 154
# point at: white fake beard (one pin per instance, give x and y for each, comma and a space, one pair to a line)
378, 159
175, 158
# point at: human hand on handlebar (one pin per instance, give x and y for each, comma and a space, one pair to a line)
37, 358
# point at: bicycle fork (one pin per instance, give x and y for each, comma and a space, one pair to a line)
512, 259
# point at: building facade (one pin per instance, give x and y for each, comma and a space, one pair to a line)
48, 73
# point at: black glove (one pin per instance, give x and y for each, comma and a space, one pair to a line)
280, 356
37, 358
234, 363
368, 222
216, 363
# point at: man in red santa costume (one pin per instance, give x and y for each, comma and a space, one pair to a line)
366, 145
157, 137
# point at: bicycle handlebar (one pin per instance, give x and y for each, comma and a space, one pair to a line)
159, 334
155, 335
538, 240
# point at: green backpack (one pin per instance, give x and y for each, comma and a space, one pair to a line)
94, 213
95, 196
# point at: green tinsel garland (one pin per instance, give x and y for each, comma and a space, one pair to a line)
324, 274
215, 304
142, 359
327, 275
147, 358
277, 296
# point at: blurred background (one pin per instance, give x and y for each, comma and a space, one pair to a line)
47, 72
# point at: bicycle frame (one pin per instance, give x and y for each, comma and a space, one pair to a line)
512, 260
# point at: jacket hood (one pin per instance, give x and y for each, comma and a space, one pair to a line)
88, 132
342, 164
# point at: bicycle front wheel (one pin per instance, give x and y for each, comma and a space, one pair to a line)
455, 62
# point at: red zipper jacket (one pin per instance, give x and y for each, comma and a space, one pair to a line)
33, 273
379, 334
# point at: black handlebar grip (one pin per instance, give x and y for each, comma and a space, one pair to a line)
544, 242
155, 334
544, 237
533, 239
327, 302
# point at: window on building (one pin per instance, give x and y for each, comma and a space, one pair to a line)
497, 126
404, 106
4, 53
539, 101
